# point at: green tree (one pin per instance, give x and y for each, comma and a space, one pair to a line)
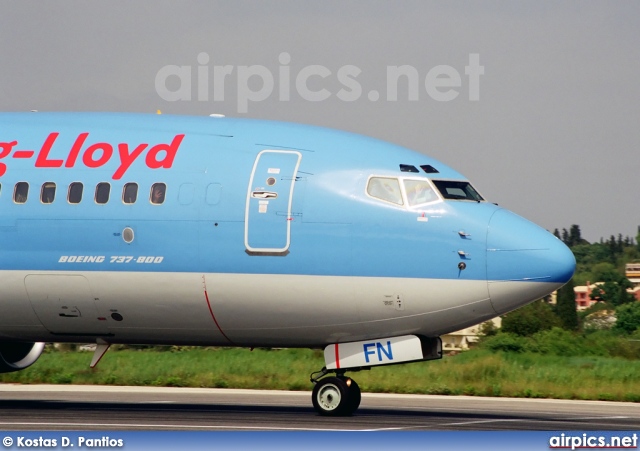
613, 249
575, 236
631, 254
530, 319
571, 237
604, 272
628, 317
566, 306
614, 292
488, 329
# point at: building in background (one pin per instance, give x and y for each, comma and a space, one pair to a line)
464, 339
632, 272
583, 295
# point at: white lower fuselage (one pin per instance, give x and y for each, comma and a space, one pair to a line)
240, 309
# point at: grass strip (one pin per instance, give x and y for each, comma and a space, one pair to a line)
476, 373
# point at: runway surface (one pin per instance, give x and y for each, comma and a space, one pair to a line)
74, 407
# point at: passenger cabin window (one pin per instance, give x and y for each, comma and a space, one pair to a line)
102, 193
158, 191
455, 190
48, 192
130, 193
21, 192
74, 196
419, 192
385, 188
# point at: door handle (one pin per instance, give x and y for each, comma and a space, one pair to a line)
264, 195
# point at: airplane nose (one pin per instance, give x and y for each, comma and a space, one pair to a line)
524, 261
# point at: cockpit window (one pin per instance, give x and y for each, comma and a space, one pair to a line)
385, 188
408, 168
457, 190
419, 192
429, 169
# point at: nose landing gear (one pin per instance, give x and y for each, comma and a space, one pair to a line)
339, 395
335, 395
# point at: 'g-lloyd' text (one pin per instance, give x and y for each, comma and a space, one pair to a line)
96, 155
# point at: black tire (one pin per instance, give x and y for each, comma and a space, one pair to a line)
355, 396
330, 397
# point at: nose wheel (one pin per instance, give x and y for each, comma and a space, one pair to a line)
336, 396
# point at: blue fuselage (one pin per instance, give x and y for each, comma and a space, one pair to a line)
254, 202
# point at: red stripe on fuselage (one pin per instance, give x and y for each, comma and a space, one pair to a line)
206, 296
337, 350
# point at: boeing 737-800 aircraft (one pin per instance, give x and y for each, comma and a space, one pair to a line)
154, 229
